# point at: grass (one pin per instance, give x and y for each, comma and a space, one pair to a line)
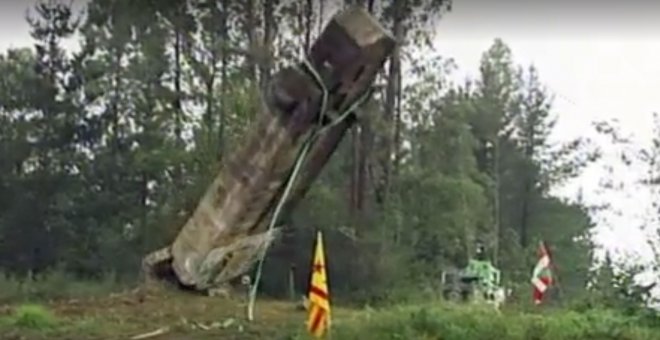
53, 286
449, 322
122, 315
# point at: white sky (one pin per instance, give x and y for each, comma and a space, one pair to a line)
600, 60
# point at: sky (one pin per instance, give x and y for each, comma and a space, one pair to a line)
599, 60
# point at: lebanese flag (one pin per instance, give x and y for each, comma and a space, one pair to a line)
542, 276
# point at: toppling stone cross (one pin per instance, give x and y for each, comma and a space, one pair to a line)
230, 227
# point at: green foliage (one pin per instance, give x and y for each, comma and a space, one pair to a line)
615, 286
33, 317
447, 322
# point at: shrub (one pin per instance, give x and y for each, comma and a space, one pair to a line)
34, 317
444, 321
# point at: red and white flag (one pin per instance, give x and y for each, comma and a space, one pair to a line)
542, 276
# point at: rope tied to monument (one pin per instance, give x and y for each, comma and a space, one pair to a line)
317, 130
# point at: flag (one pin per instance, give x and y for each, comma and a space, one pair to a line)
319, 304
542, 276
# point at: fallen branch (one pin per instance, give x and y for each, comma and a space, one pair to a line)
155, 333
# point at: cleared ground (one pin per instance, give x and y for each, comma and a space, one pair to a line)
180, 315
125, 315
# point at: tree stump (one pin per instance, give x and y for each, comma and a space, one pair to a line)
229, 228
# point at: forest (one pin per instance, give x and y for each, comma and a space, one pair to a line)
106, 149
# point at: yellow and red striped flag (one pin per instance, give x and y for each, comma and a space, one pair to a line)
318, 321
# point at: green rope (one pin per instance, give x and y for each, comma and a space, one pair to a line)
318, 130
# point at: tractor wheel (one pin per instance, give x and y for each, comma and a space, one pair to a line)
454, 296
466, 295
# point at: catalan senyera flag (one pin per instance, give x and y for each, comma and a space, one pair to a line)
318, 321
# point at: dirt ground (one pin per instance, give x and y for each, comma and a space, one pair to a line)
179, 315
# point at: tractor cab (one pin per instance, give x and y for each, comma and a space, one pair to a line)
483, 276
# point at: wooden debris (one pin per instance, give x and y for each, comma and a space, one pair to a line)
158, 332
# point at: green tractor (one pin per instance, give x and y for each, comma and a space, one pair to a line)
478, 282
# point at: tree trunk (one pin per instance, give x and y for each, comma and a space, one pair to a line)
114, 101
528, 183
366, 138
496, 198
178, 95
265, 65
144, 197
222, 113
321, 14
209, 87
362, 138
309, 10
525, 208
249, 29
391, 95
354, 157
397, 118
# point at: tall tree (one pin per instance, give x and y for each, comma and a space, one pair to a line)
495, 100
533, 125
